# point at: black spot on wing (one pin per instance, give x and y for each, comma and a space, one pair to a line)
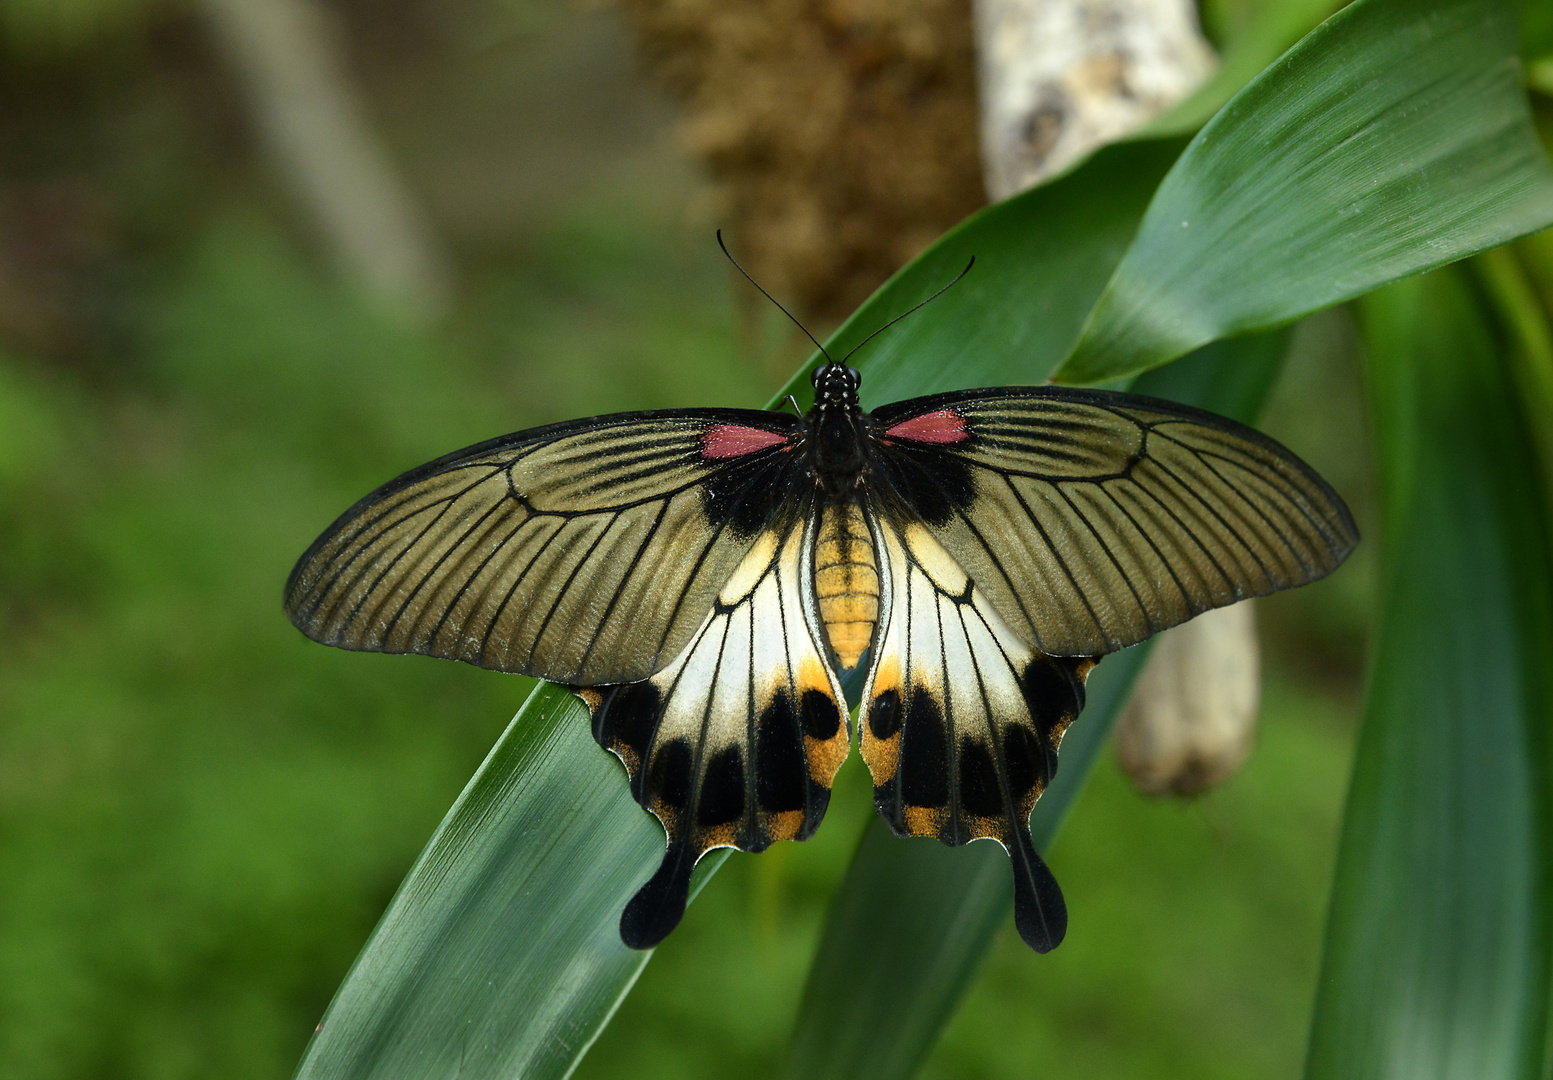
781, 771
923, 772
884, 714
1027, 761
1053, 691
721, 798
980, 793
659, 905
669, 775
627, 717
821, 719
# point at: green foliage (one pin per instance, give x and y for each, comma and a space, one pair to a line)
201, 815
1437, 956
1347, 164
1394, 138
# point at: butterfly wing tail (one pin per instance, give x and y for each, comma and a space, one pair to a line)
1040, 913
659, 905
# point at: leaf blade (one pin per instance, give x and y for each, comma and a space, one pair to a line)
1394, 138
1437, 955
423, 998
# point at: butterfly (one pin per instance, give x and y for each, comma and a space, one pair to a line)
703, 577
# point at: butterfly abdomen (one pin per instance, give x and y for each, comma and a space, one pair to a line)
846, 580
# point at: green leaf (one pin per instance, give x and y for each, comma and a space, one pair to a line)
913, 919
1393, 139
500, 955
1436, 962
1277, 27
1042, 259
1529, 347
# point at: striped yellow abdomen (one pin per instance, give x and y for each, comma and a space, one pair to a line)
846, 579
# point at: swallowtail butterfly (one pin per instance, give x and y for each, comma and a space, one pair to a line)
702, 577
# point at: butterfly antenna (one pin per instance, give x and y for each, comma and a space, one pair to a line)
768, 296
910, 311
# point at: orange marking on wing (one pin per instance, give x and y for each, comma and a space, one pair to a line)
986, 828
825, 757
812, 676
923, 821
627, 756
785, 825
667, 815
882, 756
1059, 729
887, 676
718, 836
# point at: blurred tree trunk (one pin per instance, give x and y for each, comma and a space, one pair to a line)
287, 58
1061, 77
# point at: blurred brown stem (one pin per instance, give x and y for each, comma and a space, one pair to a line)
286, 55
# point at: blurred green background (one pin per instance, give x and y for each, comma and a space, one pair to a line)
202, 814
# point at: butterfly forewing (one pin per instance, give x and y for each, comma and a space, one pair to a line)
961, 719
1094, 520
583, 553
736, 742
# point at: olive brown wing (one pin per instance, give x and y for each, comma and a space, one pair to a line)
584, 553
1093, 520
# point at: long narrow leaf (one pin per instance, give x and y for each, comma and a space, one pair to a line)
1394, 138
913, 920
1436, 961
499, 956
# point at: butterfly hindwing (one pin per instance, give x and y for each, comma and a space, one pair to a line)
961, 719
585, 553
736, 742
1093, 520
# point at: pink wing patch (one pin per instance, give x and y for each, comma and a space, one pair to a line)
942, 426
735, 440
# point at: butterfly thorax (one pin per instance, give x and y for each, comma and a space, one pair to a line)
834, 430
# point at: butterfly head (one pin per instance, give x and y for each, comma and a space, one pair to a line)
835, 386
